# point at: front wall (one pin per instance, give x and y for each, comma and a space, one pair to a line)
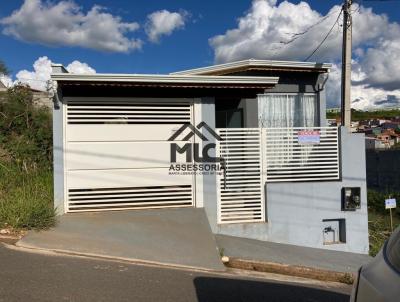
58, 157
295, 210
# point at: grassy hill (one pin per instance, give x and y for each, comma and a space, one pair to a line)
357, 115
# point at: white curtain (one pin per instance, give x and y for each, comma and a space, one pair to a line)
287, 110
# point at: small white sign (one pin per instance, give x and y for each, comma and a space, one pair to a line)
308, 137
390, 203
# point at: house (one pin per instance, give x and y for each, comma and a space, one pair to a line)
2, 87
390, 125
395, 137
386, 139
331, 122
376, 130
374, 143
41, 98
246, 141
354, 126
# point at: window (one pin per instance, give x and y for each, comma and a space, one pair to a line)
229, 114
229, 118
288, 110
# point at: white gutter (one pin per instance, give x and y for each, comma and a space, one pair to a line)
255, 63
168, 79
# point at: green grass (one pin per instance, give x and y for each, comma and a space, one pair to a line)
379, 229
26, 198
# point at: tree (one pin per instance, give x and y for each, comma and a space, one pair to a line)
3, 68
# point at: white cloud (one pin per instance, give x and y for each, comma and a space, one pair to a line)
269, 31
37, 79
380, 64
363, 96
79, 67
64, 23
164, 22
6, 80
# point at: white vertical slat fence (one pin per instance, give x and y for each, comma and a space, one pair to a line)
241, 186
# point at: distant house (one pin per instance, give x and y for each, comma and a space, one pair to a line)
354, 126
381, 121
2, 87
393, 135
376, 130
386, 139
372, 143
42, 98
331, 122
390, 125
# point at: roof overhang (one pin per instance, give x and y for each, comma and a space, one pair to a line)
253, 64
151, 80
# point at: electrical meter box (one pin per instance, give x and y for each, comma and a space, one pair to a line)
351, 198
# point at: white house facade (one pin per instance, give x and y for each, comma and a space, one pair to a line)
247, 141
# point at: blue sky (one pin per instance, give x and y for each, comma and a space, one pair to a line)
183, 49
189, 45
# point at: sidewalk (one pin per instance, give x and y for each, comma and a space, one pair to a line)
176, 237
289, 259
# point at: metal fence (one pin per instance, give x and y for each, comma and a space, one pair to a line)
291, 156
254, 156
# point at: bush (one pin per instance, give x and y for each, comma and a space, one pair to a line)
376, 201
25, 130
379, 220
26, 192
26, 199
379, 230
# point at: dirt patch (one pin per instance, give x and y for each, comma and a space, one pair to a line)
10, 235
291, 270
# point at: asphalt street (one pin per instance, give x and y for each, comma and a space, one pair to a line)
26, 276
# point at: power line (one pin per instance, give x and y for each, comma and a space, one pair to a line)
295, 36
326, 36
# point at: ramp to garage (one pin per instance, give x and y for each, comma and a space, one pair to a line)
179, 237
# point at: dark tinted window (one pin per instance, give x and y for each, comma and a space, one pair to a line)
393, 250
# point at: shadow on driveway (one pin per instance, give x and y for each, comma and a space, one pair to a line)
209, 289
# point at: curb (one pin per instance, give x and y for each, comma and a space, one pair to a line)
9, 239
61, 252
291, 270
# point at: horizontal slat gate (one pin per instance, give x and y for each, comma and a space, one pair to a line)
240, 187
117, 155
128, 113
255, 156
289, 160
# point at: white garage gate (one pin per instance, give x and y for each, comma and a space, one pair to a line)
117, 154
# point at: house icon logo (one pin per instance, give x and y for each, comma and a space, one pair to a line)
195, 131
194, 152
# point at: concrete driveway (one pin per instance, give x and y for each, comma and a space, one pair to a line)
178, 237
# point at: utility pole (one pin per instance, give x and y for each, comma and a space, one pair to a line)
346, 65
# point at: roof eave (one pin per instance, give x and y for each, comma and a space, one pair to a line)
164, 79
260, 64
